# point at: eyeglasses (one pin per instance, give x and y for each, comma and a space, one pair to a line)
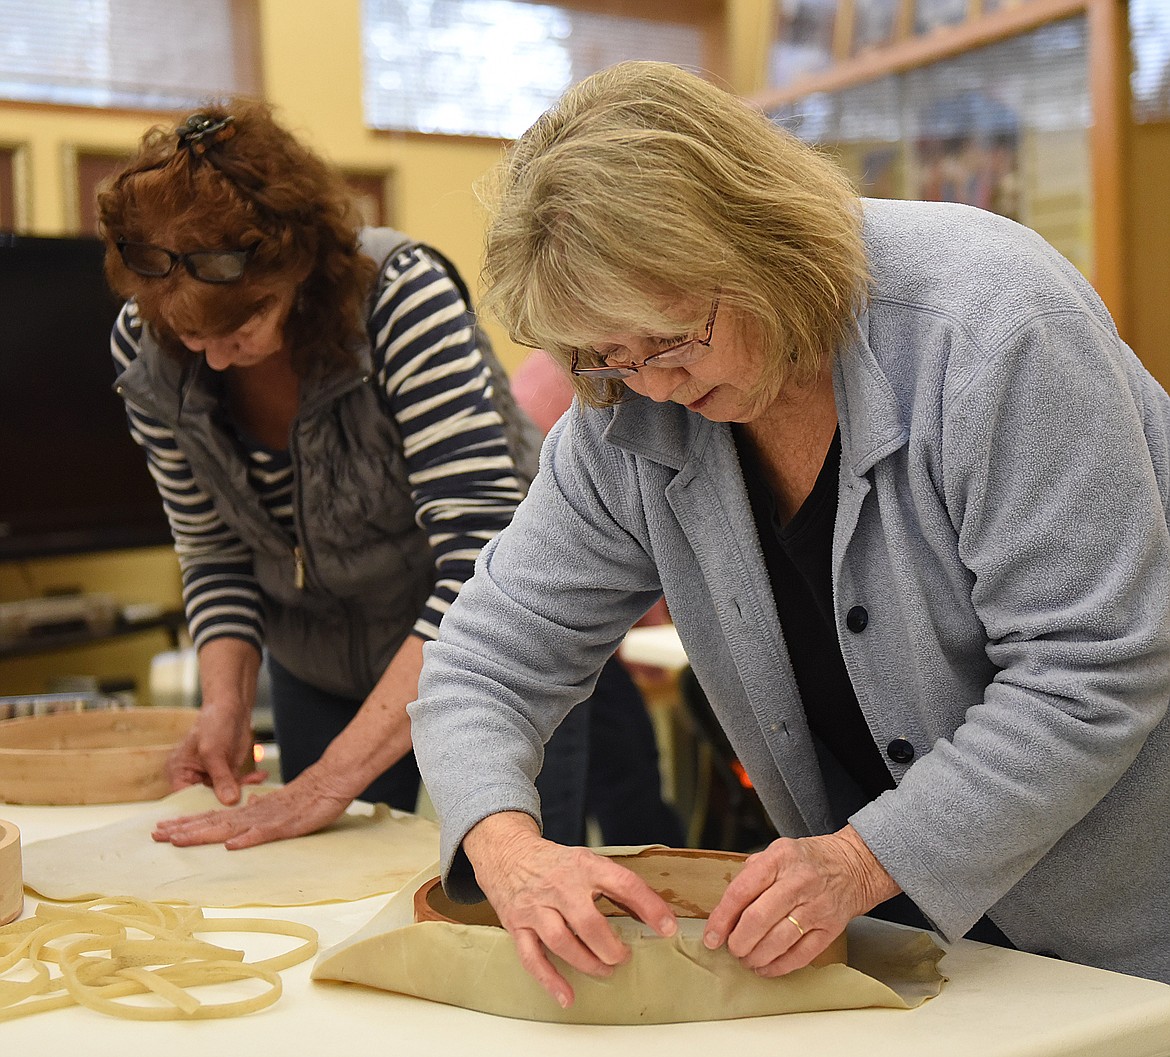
208, 266
680, 354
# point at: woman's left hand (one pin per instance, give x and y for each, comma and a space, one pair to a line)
791, 900
376, 738
305, 805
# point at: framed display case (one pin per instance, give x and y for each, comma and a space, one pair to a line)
373, 191
1011, 105
86, 168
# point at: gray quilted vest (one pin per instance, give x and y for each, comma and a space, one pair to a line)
338, 605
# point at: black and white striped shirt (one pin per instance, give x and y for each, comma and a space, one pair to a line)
461, 475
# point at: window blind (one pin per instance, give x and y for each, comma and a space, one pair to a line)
123, 53
491, 67
1149, 42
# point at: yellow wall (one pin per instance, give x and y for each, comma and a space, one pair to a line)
136, 576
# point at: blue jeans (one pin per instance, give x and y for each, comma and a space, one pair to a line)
306, 719
602, 763
562, 778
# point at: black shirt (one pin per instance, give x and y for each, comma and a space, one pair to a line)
799, 557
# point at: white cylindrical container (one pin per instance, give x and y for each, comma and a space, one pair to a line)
11, 874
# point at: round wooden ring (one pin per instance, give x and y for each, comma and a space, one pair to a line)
11, 874
105, 756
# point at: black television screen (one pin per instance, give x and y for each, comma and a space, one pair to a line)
71, 478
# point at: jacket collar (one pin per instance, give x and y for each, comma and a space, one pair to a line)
867, 408
665, 433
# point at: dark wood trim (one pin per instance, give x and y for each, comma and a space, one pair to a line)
7, 188
922, 51
85, 169
1109, 151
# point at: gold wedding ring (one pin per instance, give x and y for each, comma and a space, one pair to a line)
796, 923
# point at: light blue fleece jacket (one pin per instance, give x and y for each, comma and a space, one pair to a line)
1002, 518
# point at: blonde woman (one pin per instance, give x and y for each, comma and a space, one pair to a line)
905, 492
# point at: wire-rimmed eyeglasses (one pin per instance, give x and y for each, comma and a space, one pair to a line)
208, 266
680, 354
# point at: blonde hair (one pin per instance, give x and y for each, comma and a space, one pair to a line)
252, 184
647, 189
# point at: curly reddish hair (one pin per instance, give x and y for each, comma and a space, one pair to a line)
248, 184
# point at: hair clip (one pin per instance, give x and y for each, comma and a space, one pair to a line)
200, 127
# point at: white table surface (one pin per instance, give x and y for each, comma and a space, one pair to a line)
997, 1003
657, 645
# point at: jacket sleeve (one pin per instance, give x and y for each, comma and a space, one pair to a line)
219, 588
551, 598
1060, 519
439, 390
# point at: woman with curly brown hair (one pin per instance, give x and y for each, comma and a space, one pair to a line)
333, 440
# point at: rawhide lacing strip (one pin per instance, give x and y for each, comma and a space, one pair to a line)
112, 949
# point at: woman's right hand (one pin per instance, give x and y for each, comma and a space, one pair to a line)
544, 895
217, 752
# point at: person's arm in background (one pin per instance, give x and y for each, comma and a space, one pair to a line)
465, 488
